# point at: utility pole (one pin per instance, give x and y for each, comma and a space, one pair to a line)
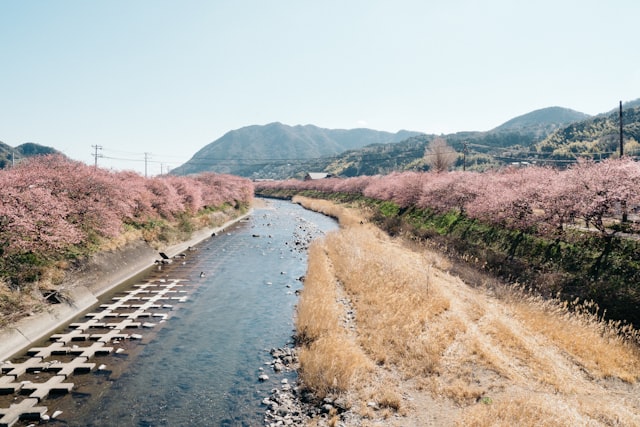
464, 156
96, 155
621, 139
146, 160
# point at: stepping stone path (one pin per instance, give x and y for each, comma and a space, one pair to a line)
141, 302
25, 410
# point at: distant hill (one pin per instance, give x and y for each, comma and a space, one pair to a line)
277, 150
597, 137
485, 150
9, 155
541, 122
554, 135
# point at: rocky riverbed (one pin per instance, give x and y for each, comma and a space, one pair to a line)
289, 404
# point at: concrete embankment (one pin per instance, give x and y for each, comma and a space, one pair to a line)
82, 289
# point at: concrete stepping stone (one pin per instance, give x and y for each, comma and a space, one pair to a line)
162, 316
53, 385
114, 306
155, 299
102, 314
136, 314
74, 335
113, 334
91, 323
25, 410
124, 324
92, 350
8, 385
17, 369
126, 298
44, 352
77, 365
146, 306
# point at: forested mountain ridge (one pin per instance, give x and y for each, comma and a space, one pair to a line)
554, 135
597, 137
277, 150
541, 121
9, 155
485, 150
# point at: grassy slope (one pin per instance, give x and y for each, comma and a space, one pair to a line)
580, 265
388, 333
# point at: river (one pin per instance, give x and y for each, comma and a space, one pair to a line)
200, 367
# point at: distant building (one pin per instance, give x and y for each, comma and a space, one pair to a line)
316, 175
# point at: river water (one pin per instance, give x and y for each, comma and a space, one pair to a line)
201, 366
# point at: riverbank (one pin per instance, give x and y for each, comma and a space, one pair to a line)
389, 336
104, 272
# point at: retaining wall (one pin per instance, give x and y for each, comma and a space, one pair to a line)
102, 273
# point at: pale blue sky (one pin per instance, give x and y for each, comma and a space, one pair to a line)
169, 77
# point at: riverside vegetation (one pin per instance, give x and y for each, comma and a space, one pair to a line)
569, 233
56, 213
390, 337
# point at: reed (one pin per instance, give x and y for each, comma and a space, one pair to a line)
481, 357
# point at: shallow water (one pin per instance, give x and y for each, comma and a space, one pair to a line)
201, 366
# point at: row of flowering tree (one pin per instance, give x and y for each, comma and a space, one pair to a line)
534, 198
50, 203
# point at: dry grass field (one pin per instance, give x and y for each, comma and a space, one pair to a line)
400, 342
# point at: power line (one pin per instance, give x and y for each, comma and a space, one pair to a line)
146, 159
96, 155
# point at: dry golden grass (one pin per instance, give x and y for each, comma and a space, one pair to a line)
330, 359
460, 355
332, 364
16, 304
347, 217
521, 411
317, 311
393, 296
121, 240
591, 343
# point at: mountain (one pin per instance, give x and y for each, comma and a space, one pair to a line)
541, 122
485, 150
277, 150
555, 135
9, 155
597, 137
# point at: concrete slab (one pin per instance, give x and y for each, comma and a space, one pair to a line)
25, 410
75, 335
53, 385
44, 352
91, 323
9, 385
11, 342
114, 334
77, 365
124, 324
102, 314
29, 365
92, 350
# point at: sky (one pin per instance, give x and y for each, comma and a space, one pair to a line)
145, 84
